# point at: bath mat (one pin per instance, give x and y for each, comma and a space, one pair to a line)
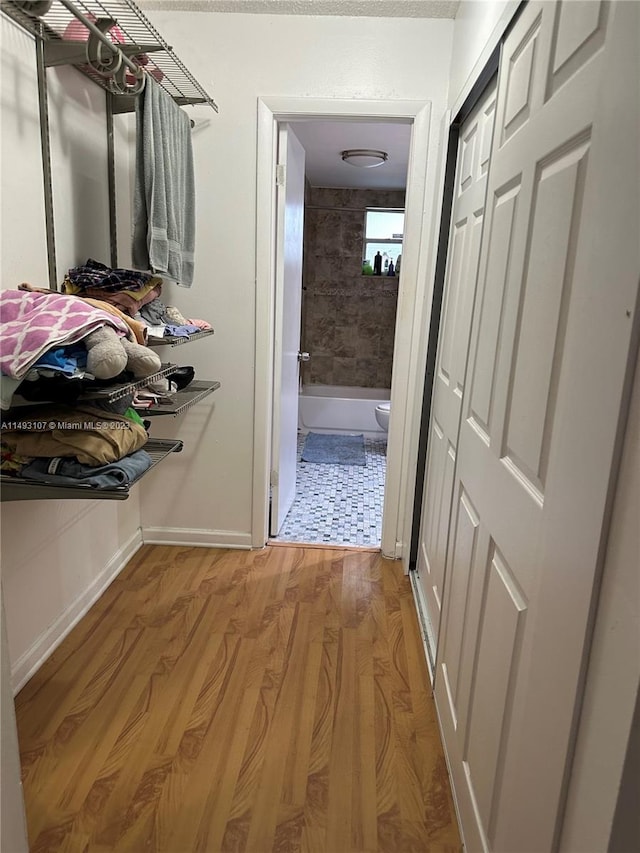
334, 449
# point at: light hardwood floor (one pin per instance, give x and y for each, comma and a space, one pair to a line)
217, 700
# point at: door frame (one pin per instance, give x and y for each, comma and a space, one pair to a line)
405, 399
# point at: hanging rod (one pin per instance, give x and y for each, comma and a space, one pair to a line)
111, 68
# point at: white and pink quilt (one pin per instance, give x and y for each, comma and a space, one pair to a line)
32, 323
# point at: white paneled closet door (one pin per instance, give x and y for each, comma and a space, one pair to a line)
550, 352
470, 187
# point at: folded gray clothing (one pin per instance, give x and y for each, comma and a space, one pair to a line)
64, 471
153, 312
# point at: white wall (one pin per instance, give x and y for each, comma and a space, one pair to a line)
204, 494
56, 556
22, 227
479, 25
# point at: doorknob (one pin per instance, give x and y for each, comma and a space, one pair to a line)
303, 356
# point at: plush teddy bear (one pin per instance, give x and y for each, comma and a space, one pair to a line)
108, 355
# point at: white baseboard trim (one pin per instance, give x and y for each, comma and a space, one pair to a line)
31, 661
186, 536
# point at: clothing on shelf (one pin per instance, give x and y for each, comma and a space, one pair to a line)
94, 275
129, 302
153, 312
125, 289
49, 389
70, 360
32, 323
173, 315
11, 462
156, 332
166, 320
71, 472
131, 305
182, 376
181, 331
138, 329
92, 436
201, 324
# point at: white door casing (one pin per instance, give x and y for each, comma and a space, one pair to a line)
413, 301
474, 146
549, 361
288, 303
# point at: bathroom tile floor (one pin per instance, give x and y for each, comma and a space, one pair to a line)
338, 504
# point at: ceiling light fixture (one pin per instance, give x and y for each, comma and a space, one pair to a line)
365, 158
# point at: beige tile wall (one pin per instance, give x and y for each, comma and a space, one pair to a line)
348, 319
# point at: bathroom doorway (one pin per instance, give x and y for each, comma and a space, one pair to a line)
353, 232
414, 117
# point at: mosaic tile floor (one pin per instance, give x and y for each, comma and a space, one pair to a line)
338, 504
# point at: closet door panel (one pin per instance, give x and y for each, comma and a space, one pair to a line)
550, 348
498, 656
436, 521
464, 556
490, 299
542, 310
519, 81
451, 329
460, 279
579, 33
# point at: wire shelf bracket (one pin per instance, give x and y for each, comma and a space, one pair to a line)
113, 43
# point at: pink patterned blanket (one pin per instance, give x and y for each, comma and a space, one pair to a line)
32, 323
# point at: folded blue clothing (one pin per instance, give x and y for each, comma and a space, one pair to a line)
181, 331
65, 359
71, 472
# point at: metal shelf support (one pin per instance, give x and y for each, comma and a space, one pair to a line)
45, 148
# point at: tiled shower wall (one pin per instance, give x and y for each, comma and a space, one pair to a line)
348, 319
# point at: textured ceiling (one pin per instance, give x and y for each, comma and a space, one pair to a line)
351, 8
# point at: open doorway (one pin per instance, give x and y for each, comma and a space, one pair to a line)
353, 232
273, 114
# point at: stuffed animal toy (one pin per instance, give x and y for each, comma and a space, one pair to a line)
108, 355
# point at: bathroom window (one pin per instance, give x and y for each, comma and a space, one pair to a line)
383, 233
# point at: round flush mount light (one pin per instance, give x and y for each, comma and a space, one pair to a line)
365, 158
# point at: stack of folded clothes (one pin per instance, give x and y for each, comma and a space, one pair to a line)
79, 444
134, 293
49, 345
43, 353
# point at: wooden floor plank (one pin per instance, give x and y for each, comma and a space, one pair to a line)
214, 700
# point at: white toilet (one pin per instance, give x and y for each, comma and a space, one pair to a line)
383, 410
